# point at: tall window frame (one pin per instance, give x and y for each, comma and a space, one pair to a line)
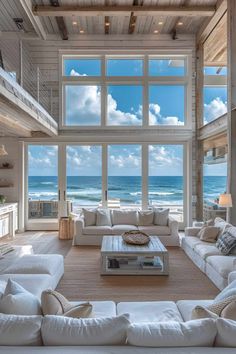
104, 81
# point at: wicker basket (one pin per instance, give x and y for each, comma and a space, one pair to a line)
135, 237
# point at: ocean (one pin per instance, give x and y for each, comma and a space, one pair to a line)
86, 190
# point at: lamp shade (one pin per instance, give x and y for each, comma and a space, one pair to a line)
225, 200
3, 151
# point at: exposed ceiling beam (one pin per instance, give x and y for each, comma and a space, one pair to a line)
70, 10
210, 24
60, 21
35, 21
133, 18
106, 21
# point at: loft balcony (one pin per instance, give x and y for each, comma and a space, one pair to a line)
21, 114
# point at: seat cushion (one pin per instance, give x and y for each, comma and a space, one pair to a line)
36, 264
186, 307
191, 241
205, 250
120, 229
34, 283
150, 311
222, 264
155, 230
97, 230
124, 217
100, 308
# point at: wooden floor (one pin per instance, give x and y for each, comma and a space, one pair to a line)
82, 279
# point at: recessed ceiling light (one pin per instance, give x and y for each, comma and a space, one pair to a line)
81, 31
160, 23
155, 31
107, 23
180, 23
74, 23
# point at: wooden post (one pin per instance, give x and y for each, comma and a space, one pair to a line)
231, 47
199, 122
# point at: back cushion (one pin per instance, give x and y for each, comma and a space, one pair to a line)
90, 216
145, 217
59, 330
124, 217
161, 216
226, 333
20, 330
222, 224
103, 217
198, 333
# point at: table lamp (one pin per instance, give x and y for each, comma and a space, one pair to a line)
226, 202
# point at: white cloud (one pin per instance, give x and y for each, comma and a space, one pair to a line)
155, 116
164, 160
214, 109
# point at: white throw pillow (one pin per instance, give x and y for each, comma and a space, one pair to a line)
198, 333
90, 216
161, 216
124, 217
20, 330
226, 333
58, 330
103, 217
18, 301
230, 290
145, 217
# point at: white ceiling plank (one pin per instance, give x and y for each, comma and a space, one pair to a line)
36, 22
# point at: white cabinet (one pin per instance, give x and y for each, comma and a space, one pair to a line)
8, 219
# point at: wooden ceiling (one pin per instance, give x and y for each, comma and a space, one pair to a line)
108, 16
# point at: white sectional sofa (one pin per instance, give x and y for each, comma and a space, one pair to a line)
208, 257
35, 272
121, 221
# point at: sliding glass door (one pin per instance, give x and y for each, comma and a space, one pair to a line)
42, 182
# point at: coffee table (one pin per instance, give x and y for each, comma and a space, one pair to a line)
120, 258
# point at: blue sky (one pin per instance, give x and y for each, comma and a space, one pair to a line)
166, 106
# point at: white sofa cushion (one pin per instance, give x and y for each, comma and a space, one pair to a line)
151, 311
124, 217
36, 264
222, 224
90, 216
18, 301
186, 307
20, 330
34, 283
192, 241
205, 250
59, 330
101, 308
97, 230
161, 216
222, 264
103, 217
155, 230
226, 333
198, 333
120, 229
145, 217
3, 285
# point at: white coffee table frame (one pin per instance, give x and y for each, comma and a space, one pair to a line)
114, 247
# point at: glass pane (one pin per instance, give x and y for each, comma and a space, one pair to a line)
124, 175
42, 181
215, 70
82, 67
82, 105
165, 182
124, 105
167, 67
215, 102
124, 67
166, 105
84, 175
214, 184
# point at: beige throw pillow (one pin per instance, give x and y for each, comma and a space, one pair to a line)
54, 303
225, 308
209, 233
145, 218
103, 217
161, 216
90, 216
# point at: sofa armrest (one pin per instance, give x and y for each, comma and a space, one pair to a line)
79, 225
232, 276
173, 225
192, 231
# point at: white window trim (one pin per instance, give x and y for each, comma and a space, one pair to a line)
144, 80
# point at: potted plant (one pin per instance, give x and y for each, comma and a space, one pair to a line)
2, 199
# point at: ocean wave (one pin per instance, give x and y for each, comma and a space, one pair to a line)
152, 193
51, 183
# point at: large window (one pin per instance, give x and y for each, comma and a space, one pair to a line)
143, 90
